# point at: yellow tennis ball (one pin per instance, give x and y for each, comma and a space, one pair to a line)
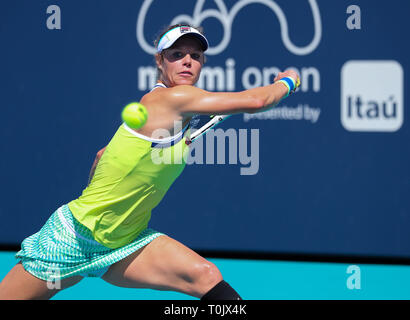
134, 115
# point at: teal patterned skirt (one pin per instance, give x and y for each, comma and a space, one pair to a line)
64, 248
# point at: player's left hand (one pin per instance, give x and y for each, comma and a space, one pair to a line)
288, 73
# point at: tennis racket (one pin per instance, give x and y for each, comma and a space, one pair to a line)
209, 124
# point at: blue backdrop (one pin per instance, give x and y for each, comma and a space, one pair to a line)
332, 165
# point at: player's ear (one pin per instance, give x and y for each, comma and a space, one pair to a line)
158, 60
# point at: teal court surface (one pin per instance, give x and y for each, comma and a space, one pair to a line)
266, 280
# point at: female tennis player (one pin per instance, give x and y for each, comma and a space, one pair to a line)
104, 233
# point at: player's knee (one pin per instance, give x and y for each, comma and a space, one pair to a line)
207, 275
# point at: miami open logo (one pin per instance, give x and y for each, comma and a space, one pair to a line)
227, 17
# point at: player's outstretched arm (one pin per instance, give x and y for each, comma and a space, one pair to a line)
192, 100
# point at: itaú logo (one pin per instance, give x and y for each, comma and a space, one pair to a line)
372, 94
227, 18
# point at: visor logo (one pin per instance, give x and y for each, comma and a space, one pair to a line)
184, 29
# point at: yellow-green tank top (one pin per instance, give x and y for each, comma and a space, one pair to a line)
130, 180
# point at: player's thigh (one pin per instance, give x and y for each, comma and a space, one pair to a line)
165, 264
19, 284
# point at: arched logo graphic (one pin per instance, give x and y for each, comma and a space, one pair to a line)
227, 18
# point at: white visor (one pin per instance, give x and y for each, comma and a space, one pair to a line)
169, 38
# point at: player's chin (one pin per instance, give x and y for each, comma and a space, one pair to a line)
186, 81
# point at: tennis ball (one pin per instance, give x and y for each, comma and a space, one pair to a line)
134, 115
